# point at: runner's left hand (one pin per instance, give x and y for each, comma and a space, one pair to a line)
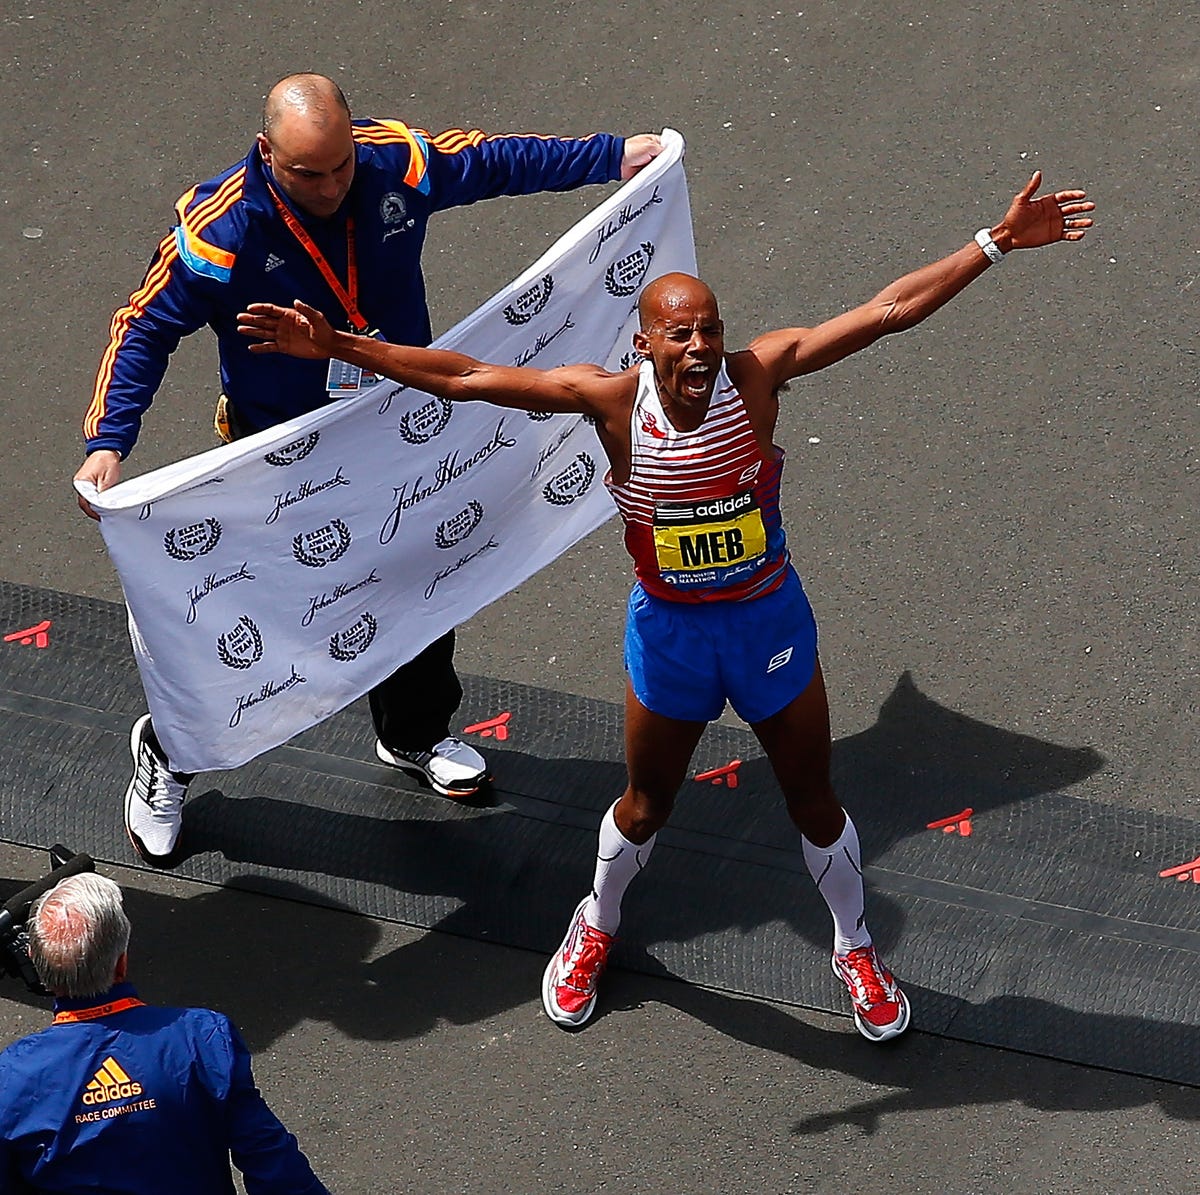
299, 331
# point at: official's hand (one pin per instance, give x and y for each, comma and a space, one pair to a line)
103, 469
1031, 223
639, 151
299, 331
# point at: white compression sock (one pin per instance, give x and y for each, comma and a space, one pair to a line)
837, 870
617, 861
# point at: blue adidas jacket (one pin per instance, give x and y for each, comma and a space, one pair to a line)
230, 247
140, 1101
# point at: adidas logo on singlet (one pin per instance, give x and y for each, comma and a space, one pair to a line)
272, 263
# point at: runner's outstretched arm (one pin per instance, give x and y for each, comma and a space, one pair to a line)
1029, 223
302, 331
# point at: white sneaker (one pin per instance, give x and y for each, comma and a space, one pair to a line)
154, 798
452, 768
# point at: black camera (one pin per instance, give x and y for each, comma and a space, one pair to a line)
14, 941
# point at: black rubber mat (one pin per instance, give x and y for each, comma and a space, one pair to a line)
1016, 915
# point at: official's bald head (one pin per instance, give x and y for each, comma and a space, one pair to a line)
307, 142
312, 99
670, 295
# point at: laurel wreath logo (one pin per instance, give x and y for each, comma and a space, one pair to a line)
439, 408
540, 293
473, 513
362, 631
256, 646
625, 289
297, 450
555, 491
177, 552
336, 552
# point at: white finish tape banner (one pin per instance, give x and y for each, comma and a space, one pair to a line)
272, 581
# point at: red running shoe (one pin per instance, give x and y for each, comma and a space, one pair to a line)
880, 1007
569, 984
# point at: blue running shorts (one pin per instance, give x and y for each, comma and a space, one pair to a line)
686, 659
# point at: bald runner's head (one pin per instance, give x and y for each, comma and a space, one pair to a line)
682, 333
307, 142
670, 294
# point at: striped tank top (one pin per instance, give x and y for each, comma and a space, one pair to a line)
701, 508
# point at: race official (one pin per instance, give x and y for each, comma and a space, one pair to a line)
121, 1097
332, 210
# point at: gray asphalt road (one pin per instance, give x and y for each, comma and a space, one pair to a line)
1002, 502
383, 1051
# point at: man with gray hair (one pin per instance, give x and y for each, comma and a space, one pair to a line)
116, 1095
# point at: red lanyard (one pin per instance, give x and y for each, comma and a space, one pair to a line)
347, 295
69, 1016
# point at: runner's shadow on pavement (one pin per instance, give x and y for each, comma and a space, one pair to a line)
271, 960
918, 763
514, 875
922, 1072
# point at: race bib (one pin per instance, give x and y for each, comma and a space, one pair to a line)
716, 541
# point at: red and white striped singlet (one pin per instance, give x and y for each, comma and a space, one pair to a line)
701, 508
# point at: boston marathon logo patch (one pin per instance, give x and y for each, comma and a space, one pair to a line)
624, 276
350, 643
297, 450
392, 208
241, 647
456, 528
572, 482
322, 545
393, 211
421, 425
530, 303
196, 539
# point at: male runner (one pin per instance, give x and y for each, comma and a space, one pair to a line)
718, 613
